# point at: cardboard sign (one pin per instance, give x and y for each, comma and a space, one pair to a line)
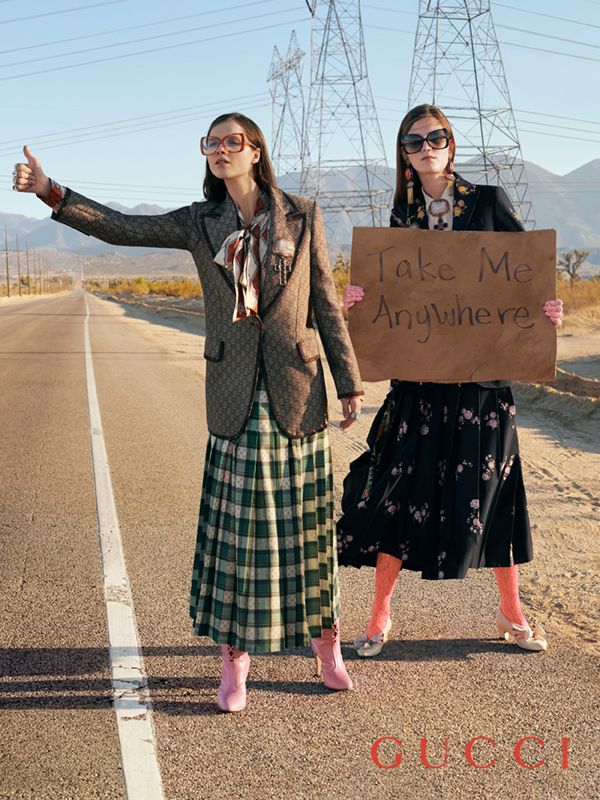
453, 307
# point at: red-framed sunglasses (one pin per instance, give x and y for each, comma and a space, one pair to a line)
233, 143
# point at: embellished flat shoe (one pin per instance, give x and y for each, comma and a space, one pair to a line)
367, 648
523, 637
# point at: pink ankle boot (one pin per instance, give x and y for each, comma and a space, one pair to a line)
328, 653
232, 691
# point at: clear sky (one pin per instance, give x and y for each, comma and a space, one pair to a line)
123, 124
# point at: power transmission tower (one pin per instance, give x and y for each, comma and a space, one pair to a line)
457, 65
345, 166
287, 95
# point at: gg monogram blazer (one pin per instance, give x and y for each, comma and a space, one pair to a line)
282, 340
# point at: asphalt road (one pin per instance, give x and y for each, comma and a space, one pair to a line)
443, 676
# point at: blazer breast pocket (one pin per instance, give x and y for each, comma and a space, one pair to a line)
213, 349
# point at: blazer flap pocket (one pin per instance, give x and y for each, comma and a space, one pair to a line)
309, 350
213, 349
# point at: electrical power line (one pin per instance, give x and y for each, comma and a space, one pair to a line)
132, 120
541, 123
109, 185
534, 112
105, 186
40, 140
546, 125
552, 52
560, 136
548, 16
524, 130
557, 116
153, 50
132, 27
549, 36
141, 129
62, 11
502, 5
143, 123
137, 41
503, 43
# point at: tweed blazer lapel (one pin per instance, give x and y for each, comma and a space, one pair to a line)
216, 226
287, 224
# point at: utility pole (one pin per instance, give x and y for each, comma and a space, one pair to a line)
35, 279
27, 262
18, 264
6, 253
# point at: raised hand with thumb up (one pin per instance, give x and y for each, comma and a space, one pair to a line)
30, 177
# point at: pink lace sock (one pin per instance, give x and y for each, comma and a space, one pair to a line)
507, 579
386, 573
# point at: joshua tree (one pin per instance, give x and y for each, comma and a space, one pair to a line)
570, 263
341, 262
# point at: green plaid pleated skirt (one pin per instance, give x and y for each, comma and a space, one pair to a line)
265, 568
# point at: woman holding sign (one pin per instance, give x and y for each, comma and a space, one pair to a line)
440, 490
265, 571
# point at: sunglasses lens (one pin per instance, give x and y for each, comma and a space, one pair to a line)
438, 140
412, 145
209, 145
234, 142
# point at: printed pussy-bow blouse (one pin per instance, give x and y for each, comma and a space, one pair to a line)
243, 251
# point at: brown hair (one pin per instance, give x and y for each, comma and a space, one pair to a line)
414, 115
264, 174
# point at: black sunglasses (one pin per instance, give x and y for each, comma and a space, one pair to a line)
437, 140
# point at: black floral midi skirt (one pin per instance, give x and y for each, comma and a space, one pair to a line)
441, 486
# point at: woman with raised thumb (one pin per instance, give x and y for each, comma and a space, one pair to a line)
264, 577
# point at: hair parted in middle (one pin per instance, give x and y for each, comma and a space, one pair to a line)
414, 115
264, 174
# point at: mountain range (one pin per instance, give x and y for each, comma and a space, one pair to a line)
570, 203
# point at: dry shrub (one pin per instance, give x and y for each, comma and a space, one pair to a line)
96, 285
118, 285
182, 287
341, 274
585, 294
140, 286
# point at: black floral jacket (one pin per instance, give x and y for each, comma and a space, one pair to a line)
476, 208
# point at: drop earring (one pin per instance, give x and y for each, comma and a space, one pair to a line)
450, 174
410, 195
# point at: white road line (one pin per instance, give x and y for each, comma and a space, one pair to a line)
131, 699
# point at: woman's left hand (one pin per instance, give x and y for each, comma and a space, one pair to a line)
553, 309
350, 410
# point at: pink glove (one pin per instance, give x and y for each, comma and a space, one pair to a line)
352, 294
553, 309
